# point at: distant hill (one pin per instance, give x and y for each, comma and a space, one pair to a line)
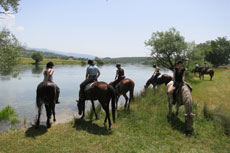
76, 55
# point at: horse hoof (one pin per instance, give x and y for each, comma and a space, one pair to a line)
49, 125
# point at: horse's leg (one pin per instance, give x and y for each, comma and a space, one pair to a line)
83, 115
177, 108
117, 101
53, 110
93, 106
170, 105
107, 113
48, 114
126, 100
39, 114
104, 107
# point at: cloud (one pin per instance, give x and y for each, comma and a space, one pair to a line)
20, 28
7, 21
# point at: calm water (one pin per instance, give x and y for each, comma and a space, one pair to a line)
20, 92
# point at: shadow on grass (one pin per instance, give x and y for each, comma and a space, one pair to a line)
176, 123
90, 127
33, 132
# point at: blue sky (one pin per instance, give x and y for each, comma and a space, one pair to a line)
115, 28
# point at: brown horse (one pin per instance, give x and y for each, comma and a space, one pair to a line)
164, 78
124, 86
46, 94
203, 72
102, 92
196, 70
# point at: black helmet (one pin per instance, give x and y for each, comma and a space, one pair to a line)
179, 62
49, 65
90, 62
118, 65
154, 65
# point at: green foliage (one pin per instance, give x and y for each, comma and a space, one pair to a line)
37, 57
219, 53
9, 4
8, 114
99, 61
167, 47
9, 51
130, 60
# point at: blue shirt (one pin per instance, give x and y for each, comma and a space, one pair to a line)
92, 70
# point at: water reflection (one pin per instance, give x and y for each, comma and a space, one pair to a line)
37, 69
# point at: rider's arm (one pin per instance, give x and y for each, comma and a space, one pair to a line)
50, 73
116, 75
98, 74
183, 76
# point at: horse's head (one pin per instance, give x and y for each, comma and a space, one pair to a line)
189, 121
80, 105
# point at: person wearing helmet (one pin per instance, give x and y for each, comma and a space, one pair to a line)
92, 74
48, 77
120, 75
156, 72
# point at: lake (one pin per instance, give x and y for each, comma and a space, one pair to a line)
20, 91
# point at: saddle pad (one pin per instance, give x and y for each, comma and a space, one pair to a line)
88, 86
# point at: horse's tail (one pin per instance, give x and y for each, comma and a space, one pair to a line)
131, 90
113, 96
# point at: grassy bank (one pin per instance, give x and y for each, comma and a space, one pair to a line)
29, 61
145, 128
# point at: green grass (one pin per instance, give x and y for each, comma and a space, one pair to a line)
8, 114
144, 128
29, 61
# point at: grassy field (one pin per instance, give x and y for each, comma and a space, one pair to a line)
29, 61
145, 128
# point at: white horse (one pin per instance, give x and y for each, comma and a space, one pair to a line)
183, 97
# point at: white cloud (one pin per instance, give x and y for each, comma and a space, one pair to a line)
20, 28
7, 21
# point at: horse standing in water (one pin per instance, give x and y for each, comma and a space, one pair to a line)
203, 72
102, 92
183, 97
124, 86
164, 78
46, 94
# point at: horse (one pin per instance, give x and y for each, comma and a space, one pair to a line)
124, 86
102, 92
203, 72
46, 94
183, 97
164, 78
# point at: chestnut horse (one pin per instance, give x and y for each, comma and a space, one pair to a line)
124, 86
203, 72
164, 78
102, 92
46, 94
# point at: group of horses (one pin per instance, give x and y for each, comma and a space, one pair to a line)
202, 71
104, 93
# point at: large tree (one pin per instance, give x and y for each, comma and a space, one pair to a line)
167, 47
9, 51
9, 5
37, 57
219, 52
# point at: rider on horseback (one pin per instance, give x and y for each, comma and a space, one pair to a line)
178, 78
206, 67
48, 77
156, 72
120, 75
92, 73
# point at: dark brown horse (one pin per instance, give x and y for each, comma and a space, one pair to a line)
124, 86
197, 70
164, 78
46, 94
102, 92
203, 72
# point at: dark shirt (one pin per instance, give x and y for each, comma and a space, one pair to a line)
120, 73
179, 74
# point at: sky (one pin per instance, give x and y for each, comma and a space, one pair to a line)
114, 28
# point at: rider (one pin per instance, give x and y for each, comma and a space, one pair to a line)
156, 72
48, 76
120, 75
92, 73
178, 78
196, 66
206, 67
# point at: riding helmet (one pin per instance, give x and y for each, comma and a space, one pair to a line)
179, 62
90, 62
49, 65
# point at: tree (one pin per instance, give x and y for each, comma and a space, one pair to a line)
8, 5
167, 47
99, 61
37, 57
9, 51
219, 53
